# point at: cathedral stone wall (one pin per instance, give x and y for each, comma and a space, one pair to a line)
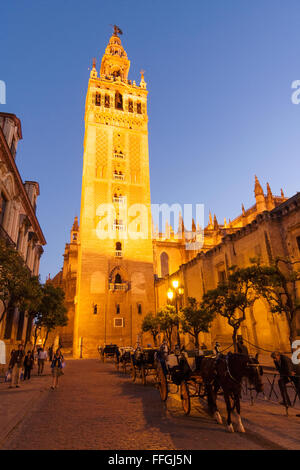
271, 234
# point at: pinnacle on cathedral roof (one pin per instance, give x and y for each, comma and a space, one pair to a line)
93, 73
258, 190
75, 227
216, 225
269, 192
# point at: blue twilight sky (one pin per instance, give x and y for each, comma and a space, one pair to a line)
219, 76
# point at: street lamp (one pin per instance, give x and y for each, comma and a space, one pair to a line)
176, 292
170, 294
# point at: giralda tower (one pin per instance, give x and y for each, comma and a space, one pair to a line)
115, 282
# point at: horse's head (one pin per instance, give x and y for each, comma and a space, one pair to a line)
254, 372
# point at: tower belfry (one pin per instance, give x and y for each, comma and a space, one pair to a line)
115, 261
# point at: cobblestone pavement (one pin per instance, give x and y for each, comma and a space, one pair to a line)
96, 407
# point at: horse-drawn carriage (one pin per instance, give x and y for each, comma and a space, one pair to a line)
143, 363
124, 359
182, 370
108, 351
204, 376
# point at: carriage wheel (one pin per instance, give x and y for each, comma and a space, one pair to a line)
162, 384
143, 375
185, 398
133, 373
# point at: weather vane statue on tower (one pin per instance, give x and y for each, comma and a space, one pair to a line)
117, 30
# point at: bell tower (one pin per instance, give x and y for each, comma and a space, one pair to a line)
115, 281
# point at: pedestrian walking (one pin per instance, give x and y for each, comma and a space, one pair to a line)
28, 365
42, 357
57, 365
16, 363
287, 372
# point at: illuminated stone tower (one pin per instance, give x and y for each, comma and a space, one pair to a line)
115, 283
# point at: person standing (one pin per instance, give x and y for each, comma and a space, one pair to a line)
241, 348
28, 365
16, 363
56, 366
287, 373
42, 356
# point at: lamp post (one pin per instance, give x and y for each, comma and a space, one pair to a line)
176, 293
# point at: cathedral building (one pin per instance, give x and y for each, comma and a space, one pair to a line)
117, 267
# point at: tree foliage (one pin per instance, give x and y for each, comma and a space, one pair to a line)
168, 320
232, 298
278, 285
52, 311
196, 318
17, 287
151, 324
44, 304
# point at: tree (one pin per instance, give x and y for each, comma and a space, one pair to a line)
14, 279
196, 318
278, 285
31, 302
151, 323
233, 297
168, 319
52, 311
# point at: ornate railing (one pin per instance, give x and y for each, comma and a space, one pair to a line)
118, 287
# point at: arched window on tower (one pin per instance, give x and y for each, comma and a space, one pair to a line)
98, 99
107, 101
118, 101
164, 264
139, 107
116, 73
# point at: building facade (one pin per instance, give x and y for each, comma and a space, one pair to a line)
19, 225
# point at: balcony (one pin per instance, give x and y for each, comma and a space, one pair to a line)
119, 200
118, 287
120, 227
118, 176
119, 156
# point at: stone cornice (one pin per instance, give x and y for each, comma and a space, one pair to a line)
116, 84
